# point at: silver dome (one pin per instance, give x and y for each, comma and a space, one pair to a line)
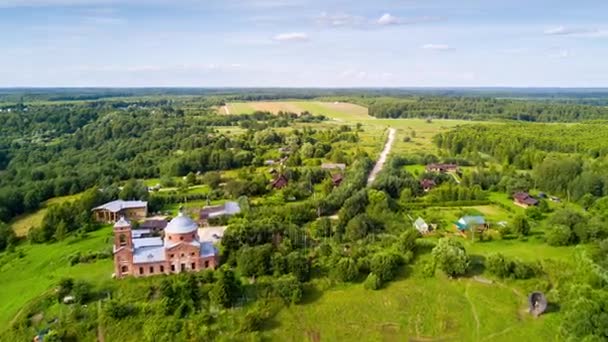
181, 224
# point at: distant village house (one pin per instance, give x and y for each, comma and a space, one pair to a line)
524, 200
477, 223
421, 226
427, 184
112, 211
442, 168
227, 209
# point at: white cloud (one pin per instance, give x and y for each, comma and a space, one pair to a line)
437, 47
291, 37
559, 53
575, 31
388, 19
340, 20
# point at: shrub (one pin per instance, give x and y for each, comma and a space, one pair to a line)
289, 289
559, 235
345, 270
372, 282
118, 310
384, 265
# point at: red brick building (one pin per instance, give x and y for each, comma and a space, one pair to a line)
180, 250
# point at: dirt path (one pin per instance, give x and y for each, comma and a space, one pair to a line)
385, 152
466, 295
226, 109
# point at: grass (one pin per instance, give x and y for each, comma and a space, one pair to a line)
42, 266
415, 308
22, 224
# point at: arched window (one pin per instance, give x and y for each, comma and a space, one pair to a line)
122, 238
124, 269
181, 238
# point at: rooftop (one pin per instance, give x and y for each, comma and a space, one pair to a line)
181, 224
118, 205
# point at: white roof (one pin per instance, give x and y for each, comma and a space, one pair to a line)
118, 205
229, 208
181, 224
137, 233
147, 242
211, 234
148, 254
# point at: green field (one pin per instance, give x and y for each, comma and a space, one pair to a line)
416, 309
35, 269
22, 224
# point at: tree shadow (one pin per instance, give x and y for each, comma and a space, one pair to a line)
552, 308
476, 265
311, 294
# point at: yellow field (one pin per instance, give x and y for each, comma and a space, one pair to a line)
336, 110
22, 224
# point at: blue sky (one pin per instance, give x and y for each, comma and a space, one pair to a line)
315, 43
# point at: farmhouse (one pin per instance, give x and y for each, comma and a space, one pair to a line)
471, 222
181, 250
524, 200
112, 211
442, 168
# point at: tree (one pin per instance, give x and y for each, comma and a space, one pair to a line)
7, 236
384, 265
450, 256
226, 289
254, 261
498, 265
521, 225
298, 265
559, 235
190, 179
358, 227
321, 228
82, 291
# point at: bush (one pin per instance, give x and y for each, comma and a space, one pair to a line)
372, 282
346, 270
118, 310
82, 291
384, 265
289, 289
559, 235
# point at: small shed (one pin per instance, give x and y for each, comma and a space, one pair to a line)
280, 182
427, 184
471, 222
421, 226
337, 179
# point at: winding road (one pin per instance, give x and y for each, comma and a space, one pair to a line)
385, 152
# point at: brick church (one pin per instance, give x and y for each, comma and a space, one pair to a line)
180, 250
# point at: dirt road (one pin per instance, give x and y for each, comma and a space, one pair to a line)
385, 152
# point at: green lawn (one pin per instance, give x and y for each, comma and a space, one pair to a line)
42, 266
22, 224
415, 309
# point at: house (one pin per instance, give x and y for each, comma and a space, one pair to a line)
280, 182
421, 226
427, 184
442, 168
112, 211
213, 234
333, 166
337, 179
154, 224
471, 222
181, 250
524, 200
227, 209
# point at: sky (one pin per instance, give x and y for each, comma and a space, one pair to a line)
299, 43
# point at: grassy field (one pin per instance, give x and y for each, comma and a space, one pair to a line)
416, 309
41, 266
22, 224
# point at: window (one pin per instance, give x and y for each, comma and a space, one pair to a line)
193, 266
183, 267
182, 255
151, 269
169, 237
172, 268
162, 269
141, 270
181, 238
124, 269
206, 263
192, 253
172, 255
122, 240
193, 236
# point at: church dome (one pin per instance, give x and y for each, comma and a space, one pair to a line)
182, 224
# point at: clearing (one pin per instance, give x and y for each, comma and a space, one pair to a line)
22, 224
